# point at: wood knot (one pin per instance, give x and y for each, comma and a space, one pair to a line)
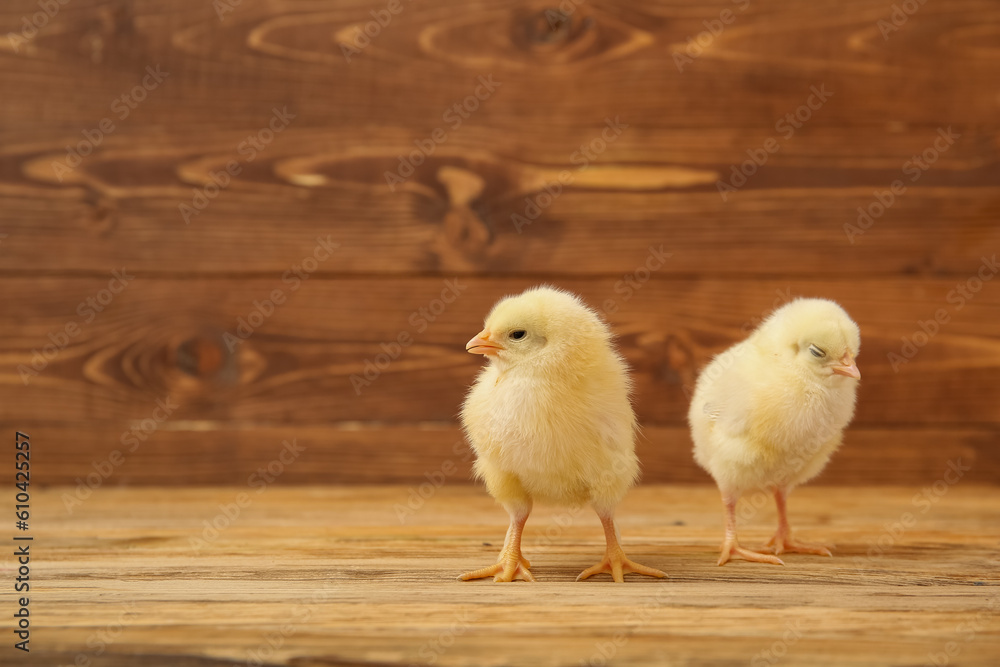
99, 216
464, 228
549, 25
536, 35
201, 356
551, 28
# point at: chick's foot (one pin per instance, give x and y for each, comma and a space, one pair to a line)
511, 565
731, 549
783, 543
618, 565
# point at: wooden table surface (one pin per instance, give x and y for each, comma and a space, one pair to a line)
314, 576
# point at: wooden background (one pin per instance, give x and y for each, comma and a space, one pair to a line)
782, 234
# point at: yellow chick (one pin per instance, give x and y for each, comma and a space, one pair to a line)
549, 418
770, 411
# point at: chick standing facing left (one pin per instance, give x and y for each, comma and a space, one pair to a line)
550, 419
770, 411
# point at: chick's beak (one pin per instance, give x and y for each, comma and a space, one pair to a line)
482, 344
848, 367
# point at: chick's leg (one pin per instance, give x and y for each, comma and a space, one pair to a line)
615, 561
782, 541
731, 547
511, 564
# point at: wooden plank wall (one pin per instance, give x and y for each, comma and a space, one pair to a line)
615, 120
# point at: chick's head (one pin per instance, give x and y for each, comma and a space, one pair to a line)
818, 336
541, 326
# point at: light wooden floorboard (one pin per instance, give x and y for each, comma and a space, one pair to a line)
332, 576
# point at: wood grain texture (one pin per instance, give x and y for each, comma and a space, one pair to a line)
332, 577
430, 53
325, 173
206, 454
586, 231
789, 219
168, 337
321, 179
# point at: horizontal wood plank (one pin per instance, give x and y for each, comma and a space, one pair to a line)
429, 56
186, 454
307, 362
474, 206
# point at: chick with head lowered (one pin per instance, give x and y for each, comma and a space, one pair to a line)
770, 411
549, 418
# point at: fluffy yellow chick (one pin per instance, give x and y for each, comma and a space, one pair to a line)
768, 412
549, 418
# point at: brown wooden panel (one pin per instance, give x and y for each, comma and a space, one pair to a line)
164, 337
611, 57
185, 454
654, 184
782, 234
798, 215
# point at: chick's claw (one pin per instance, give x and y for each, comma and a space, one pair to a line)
509, 568
730, 549
618, 565
780, 544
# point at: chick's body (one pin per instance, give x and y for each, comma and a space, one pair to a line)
549, 417
769, 412
563, 437
755, 422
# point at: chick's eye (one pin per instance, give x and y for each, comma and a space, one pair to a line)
518, 334
816, 352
